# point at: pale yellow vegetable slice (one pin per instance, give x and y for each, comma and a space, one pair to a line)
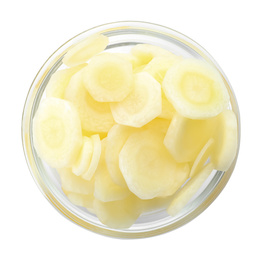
226, 140
186, 137
148, 168
57, 133
202, 157
146, 52
142, 105
108, 78
186, 193
84, 159
96, 117
72, 183
104, 188
195, 89
158, 66
116, 139
60, 80
81, 200
89, 173
84, 50
119, 214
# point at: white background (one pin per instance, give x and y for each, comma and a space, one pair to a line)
232, 31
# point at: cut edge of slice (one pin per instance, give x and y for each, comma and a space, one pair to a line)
226, 137
185, 194
83, 161
95, 158
202, 157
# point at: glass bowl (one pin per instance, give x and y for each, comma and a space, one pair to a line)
122, 36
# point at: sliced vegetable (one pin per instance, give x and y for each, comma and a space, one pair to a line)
148, 168
202, 157
57, 133
226, 140
142, 105
108, 78
84, 158
195, 89
88, 174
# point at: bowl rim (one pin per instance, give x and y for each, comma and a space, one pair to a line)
26, 123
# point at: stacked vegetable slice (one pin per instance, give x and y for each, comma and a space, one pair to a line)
134, 132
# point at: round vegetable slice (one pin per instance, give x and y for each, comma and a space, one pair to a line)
195, 89
226, 140
83, 161
120, 213
148, 168
186, 137
142, 105
84, 50
185, 194
96, 117
57, 133
72, 183
104, 188
116, 139
108, 78
88, 174
60, 80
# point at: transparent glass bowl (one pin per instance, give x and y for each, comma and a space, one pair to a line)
122, 36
